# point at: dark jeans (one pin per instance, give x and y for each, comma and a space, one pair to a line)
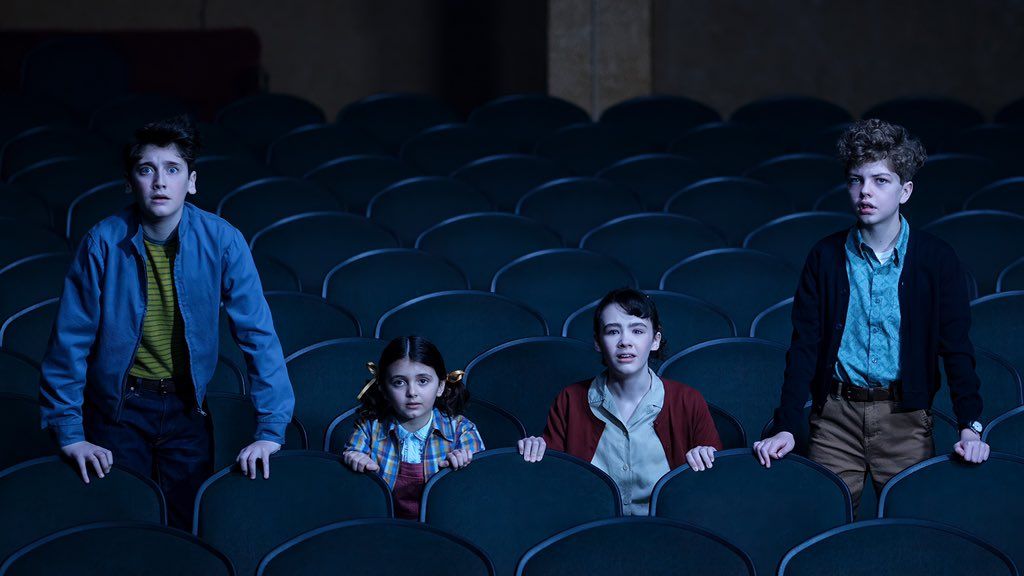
163, 437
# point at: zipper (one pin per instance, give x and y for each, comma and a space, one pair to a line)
138, 341
181, 310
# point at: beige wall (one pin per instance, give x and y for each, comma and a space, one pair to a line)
853, 52
599, 51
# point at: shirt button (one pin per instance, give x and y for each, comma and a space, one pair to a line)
874, 360
625, 467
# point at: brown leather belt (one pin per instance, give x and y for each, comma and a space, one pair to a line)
860, 394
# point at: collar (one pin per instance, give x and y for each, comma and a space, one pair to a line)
439, 424
598, 392
421, 434
138, 240
856, 244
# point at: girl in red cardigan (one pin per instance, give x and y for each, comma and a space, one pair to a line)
627, 421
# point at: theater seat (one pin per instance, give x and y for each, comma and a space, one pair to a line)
365, 546
485, 502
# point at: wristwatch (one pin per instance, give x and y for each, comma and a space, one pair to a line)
974, 426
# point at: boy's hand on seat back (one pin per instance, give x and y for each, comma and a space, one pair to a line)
774, 447
83, 453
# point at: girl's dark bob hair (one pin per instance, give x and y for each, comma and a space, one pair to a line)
452, 401
635, 303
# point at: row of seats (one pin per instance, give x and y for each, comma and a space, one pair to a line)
59, 167
512, 386
654, 547
578, 149
302, 251
389, 196
519, 517
711, 294
548, 293
440, 214
387, 121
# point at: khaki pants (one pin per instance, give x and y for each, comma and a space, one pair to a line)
854, 439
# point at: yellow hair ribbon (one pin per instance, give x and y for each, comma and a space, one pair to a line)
373, 380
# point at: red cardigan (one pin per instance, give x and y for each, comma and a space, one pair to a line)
683, 423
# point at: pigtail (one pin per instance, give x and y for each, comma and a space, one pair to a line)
455, 396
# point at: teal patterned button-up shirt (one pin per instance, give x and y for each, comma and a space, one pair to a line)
869, 355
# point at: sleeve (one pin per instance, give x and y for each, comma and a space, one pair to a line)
955, 345
253, 329
702, 425
556, 429
469, 437
65, 365
804, 348
359, 441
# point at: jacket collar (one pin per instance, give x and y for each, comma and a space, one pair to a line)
134, 222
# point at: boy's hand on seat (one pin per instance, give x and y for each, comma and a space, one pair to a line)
971, 448
83, 453
258, 450
774, 448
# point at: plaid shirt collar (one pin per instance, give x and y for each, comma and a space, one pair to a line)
438, 425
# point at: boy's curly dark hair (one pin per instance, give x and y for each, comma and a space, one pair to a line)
375, 405
874, 140
178, 130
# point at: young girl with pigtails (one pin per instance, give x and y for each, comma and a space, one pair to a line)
411, 423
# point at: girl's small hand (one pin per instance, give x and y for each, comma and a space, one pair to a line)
457, 459
701, 458
359, 461
532, 448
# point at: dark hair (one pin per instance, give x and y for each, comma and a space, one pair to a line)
177, 130
452, 401
635, 303
874, 140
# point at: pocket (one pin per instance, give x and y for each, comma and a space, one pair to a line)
927, 421
830, 406
817, 417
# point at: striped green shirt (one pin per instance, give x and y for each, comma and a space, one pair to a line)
162, 351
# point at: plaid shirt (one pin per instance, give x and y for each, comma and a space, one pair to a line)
379, 439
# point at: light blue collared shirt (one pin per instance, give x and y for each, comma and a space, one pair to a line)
630, 452
412, 443
869, 355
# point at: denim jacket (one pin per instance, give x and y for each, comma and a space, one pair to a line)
99, 322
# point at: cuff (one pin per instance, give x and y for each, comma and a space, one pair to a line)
271, 431
68, 434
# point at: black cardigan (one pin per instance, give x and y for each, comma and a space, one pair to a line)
935, 320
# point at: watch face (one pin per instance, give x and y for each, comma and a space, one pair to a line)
976, 426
